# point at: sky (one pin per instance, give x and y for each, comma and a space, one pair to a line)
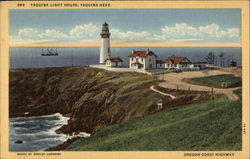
133, 27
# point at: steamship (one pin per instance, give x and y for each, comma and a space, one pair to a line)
50, 52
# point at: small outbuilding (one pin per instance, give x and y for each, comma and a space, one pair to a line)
183, 63
174, 62
198, 65
114, 62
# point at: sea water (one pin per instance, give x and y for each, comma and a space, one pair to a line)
27, 57
37, 133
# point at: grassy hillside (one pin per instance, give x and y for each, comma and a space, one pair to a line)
215, 81
191, 127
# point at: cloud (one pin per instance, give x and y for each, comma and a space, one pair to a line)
128, 35
180, 32
27, 40
212, 30
85, 31
52, 33
27, 32
232, 32
35, 34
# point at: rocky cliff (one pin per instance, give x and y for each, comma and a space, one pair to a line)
92, 98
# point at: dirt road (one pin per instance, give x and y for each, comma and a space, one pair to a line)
174, 81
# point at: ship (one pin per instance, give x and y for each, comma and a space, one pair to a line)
50, 52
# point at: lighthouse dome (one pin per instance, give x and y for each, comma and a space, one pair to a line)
105, 29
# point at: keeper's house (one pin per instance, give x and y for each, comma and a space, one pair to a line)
114, 62
142, 59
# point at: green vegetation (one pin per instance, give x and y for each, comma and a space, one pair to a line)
216, 81
191, 70
192, 127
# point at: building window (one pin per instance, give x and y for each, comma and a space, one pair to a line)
141, 59
149, 59
175, 65
160, 64
132, 59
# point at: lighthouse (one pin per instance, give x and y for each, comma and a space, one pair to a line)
105, 43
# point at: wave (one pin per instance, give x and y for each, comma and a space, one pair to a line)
17, 122
42, 116
37, 130
20, 128
60, 138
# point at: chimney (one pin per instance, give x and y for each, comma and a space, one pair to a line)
133, 51
147, 50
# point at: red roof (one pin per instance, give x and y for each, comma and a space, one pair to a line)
160, 62
118, 59
178, 60
142, 53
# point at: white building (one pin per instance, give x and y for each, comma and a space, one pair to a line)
114, 62
177, 63
142, 59
105, 43
198, 65
182, 63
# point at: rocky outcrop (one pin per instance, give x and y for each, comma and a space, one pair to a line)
92, 98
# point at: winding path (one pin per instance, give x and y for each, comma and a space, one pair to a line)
174, 80
162, 93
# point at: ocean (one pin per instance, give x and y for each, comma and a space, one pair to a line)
27, 57
37, 133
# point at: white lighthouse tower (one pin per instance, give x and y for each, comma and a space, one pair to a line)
105, 43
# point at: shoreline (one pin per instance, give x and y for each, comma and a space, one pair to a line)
72, 137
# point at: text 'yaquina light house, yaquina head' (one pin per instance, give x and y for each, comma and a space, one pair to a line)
105, 43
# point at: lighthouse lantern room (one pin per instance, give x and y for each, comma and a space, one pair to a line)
105, 43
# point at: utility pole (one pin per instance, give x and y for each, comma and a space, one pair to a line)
72, 60
212, 96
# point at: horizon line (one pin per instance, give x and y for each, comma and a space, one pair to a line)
131, 45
